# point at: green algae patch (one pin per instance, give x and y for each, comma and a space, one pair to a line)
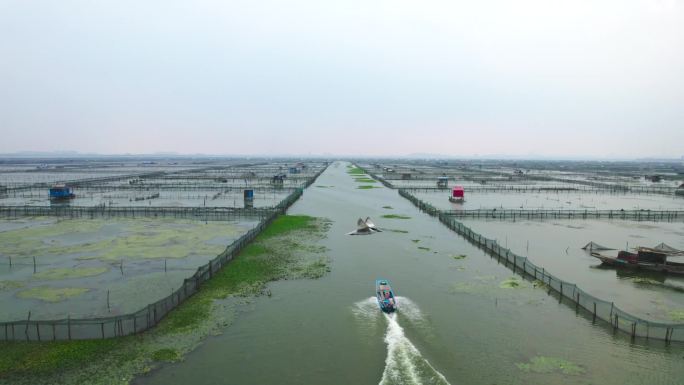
460, 256
415, 240
365, 180
9, 285
388, 207
541, 364
355, 171
676, 315
51, 294
55, 274
395, 216
645, 281
366, 187
166, 355
512, 283
285, 249
423, 248
397, 231
91, 239
280, 251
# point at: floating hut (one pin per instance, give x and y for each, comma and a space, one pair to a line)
249, 198
680, 190
278, 179
61, 191
457, 195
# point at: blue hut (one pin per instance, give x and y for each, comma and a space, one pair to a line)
61, 191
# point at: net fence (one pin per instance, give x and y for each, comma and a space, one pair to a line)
596, 308
150, 315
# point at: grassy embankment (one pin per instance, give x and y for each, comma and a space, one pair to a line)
284, 249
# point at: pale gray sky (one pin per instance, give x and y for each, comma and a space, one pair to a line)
543, 77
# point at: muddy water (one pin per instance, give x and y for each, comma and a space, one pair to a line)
456, 324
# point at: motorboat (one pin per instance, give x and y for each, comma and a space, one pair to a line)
385, 296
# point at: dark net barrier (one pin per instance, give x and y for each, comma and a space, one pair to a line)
147, 317
515, 214
594, 307
560, 189
143, 319
198, 213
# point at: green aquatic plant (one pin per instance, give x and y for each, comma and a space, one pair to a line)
424, 248
645, 281
676, 315
460, 256
397, 231
8, 285
511, 283
388, 207
395, 216
66, 273
366, 187
355, 171
365, 180
136, 239
51, 294
541, 364
415, 240
167, 355
117, 360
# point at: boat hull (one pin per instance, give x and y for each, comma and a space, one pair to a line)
667, 268
385, 296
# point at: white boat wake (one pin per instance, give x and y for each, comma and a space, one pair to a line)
404, 363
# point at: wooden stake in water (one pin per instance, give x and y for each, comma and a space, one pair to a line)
108, 308
34, 264
10, 259
164, 265
121, 266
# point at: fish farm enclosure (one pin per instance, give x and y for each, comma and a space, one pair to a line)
493, 263
539, 220
130, 242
